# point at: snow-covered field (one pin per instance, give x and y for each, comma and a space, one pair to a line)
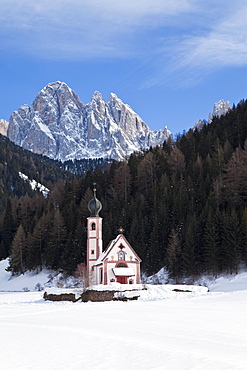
162, 330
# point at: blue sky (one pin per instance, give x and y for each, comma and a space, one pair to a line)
170, 60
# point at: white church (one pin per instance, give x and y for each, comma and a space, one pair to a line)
118, 263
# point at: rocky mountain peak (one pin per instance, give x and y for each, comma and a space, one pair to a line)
59, 125
221, 107
97, 96
3, 127
113, 97
97, 104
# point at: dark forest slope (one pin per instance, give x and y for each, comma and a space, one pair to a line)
182, 206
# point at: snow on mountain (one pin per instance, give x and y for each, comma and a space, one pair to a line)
3, 127
60, 126
221, 107
199, 124
35, 185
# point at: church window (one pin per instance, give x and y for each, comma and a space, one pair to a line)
92, 251
101, 276
121, 255
121, 265
93, 226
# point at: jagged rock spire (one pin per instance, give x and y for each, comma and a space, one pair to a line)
57, 124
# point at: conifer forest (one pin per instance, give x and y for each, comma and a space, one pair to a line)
182, 205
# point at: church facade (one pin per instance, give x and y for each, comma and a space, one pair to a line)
118, 263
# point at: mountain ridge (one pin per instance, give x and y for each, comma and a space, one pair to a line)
57, 124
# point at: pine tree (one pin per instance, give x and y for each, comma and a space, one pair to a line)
147, 173
26, 213
38, 242
174, 264
231, 241
243, 249
212, 242
58, 237
8, 230
190, 248
18, 251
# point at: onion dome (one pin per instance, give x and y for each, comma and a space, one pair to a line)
94, 205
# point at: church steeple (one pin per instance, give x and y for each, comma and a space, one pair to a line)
94, 205
94, 235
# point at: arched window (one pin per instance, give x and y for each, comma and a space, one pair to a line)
121, 265
121, 255
93, 226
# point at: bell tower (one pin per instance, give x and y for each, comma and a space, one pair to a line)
94, 236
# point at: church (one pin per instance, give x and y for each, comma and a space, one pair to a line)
118, 263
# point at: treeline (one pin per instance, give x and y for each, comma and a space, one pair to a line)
79, 166
14, 159
183, 206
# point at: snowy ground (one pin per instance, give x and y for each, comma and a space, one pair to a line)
162, 330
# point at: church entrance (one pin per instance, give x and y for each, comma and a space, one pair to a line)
122, 279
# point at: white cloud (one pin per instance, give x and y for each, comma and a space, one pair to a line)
219, 40
186, 38
126, 12
226, 44
84, 28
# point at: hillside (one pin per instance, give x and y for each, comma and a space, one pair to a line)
14, 159
182, 206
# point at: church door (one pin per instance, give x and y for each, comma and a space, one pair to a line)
122, 279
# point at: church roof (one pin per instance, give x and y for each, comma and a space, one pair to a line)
110, 246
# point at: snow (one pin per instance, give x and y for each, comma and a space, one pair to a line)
77, 131
233, 283
221, 107
45, 129
3, 127
162, 330
123, 271
35, 185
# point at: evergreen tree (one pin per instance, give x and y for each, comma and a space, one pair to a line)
212, 242
190, 248
231, 241
19, 251
174, 262
38, 242
243, 250
58, 237
147, 173
8, 230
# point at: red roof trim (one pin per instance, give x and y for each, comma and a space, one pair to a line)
112, 244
